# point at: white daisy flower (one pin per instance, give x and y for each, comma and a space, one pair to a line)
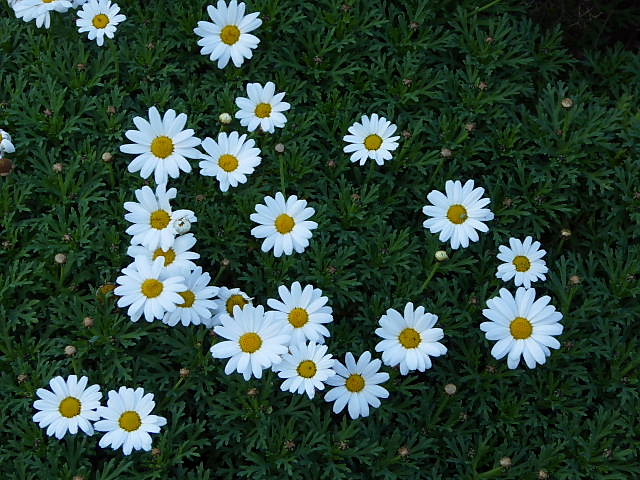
357, 385
371, 138
177, 258
6, 146
458, 214
127, 420
305, 369
100, 18
228, 36
197, 305
522, 261
227, 299
152, 218
254, 341
148, 288
230, 159
70, 404
161, 145
303, 311
523, 327
39, 10
263, 108
409, 339
283, 224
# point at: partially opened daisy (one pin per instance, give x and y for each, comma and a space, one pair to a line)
305, 368
161, 145
458, 214
371, 138
100, 18
128, 421
69, 405
357, 385
6, 146
198, 303
410, 339
254, 341
177, 258
263, 108
523, 327
226, 300
230, 159
39, 10
228, 36
284, 224
303, 311
523, 262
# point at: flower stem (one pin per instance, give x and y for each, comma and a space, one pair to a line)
431, 274
282, 175
488, 5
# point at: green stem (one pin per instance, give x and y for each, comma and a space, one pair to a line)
496, 472
217, 277
282, 175
370, 173
488, 5
431, 274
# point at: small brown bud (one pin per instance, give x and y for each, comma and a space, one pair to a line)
567, 103
78, 477
226, 262
70, 350
404, 451
67, 237
289, 445
22, 378
151, 45
406, 134
57, 167
88, 322
252, 392
575, 280
414, 25
200, 198
473, 300
331, 163
607, 452
156, 452
470, 127
483, 85
489, 40
81, 66
7, 244
505, 462
446, 153
6, 166
107, 157
279, 148
346, 7
565, 232
60, 258
343, 444
107, 288
331, 269
47, 112
355, 197
507, 202
318, 59
185, 372
543, 475
450, 389
407, 82
491, 369
111, 109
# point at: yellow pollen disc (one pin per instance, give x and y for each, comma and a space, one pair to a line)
160, 219
228, 163
355, 383
48, 1
521, 263
100, 20
307, 369
373, 142
521, 328
250, 342
130, 421
284, 223
169, 255
409, 338
298, 317
70, 407
457, 214
162, 146
151, 288
263, 110
235, 300
189, 298
230, 34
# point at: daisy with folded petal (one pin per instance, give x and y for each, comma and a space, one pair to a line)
305, 368
39, 10
304, 311
128, 421
410, 339
263, 108
69, 405
228, 36
357, 385
371, 138
284, 224
523, 327
197, 305
153, 220
177, 258
458, 214
6, 146
230, 159
100, 18
254, 341
523, 262
226, 300
161, 145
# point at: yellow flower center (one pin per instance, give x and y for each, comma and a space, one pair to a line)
48, 1
522, 263
355, 383
152, 288
70, 407
169, 255
457, 214
235, 300
189, 298
250, 342
263, 110
307, 369
228, 162
230, 34
100, 20
130, 421
373, 142
160, 219
298, 317
409, 338
521, 328
285, 223
162, 146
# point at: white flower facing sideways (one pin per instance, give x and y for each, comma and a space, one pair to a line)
230, 159
69, 405
284, 224
177, 258
523, 262
523, 327
410, 339
39, 10
128, 421
100, 18
227, 299
371, 138
161, 145
458, 214
305, 368
357, 385
6, 146
254, 341
197, 305
228, 36
262, 108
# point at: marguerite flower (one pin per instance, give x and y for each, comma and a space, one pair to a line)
458, 214
69, 405
523, 327
6, 146
523, 261
409, 339
152, 218
39, 10
371, 139
227, 299
357, 385
303, 311
177, 258
305, 369
230, 159
254, 341
283, 224
228, 36
197, 305
100, 18
127, 420
161, 145
262, 108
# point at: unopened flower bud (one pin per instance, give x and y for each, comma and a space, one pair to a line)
22, 378
252, 392
6, 166
450, 389
57, 167
441, 256
225, 118
567, 103
70, 350
60, 258
575, 280
404, 451
107, 157
543, 475
185, 372
88, 322
446, 153
565, 232
279, 147
505, 462
226, 262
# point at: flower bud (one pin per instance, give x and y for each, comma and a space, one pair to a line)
225, 118
182, 225
567, 103
450, 389
70, 350
88, 322
107, 157
505, 462
60, 258
441, 256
